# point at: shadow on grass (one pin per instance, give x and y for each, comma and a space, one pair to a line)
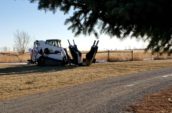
26, 69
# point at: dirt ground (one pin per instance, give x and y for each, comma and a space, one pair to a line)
110, 95
20, 80
156, 103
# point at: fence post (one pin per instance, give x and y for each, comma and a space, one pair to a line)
108, 59
132, 55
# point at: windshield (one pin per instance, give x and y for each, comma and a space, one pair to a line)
56, 43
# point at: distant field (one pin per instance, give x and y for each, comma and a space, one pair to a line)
9, 57
19, 80
125, 55
130, 55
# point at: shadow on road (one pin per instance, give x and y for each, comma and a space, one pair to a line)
25, 69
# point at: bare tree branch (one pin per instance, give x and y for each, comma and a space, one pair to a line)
21, 41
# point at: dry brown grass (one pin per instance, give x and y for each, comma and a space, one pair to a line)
124, 55
13, 57
19, 80
128, 55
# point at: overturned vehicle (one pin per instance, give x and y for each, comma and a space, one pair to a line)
50, 52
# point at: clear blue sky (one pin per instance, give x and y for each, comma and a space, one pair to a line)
23, 16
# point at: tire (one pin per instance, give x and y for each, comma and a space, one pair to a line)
64, 62
41, 61
46, 51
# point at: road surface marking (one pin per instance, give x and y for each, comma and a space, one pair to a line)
130, 85
165, 76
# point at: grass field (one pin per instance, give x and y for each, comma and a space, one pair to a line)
13, 57
124, 55
19, 80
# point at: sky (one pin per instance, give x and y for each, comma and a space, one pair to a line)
21, 15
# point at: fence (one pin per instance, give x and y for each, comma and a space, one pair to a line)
130, 55
111, 56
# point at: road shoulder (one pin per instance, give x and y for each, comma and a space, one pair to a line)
160, 102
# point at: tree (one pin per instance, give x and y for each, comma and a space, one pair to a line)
21, 40
146, 19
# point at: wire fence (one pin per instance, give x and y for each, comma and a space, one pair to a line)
129, 55
109, 55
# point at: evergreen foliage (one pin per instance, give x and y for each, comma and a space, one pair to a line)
147, 19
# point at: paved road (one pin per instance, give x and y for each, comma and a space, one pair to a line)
111, 95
